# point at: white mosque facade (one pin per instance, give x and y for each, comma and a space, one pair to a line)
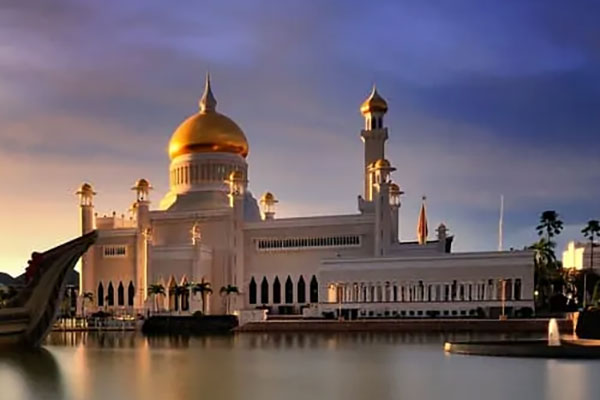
209, 228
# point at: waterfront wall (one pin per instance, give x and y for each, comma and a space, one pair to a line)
441, 325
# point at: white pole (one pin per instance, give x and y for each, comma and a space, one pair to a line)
501, 224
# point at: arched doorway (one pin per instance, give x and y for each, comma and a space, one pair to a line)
264, 291
121, 295
301, 290
252, 292
314, 290
100, 295
289, 290
130, 294
110, 297
276, 291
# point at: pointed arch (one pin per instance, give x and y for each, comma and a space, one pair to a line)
121, 295
110, 296
301, 290
100, 295
172, 292
252, 292
130, 294
184, 298
276, 291
289, 290
314, 290
264, 291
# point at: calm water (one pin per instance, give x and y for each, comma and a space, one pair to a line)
290, 366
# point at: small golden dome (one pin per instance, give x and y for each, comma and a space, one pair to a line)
208, 131
142, 184
382, 163
374, 103
268, 198
86, 188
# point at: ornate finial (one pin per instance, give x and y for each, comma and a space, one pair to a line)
208, 101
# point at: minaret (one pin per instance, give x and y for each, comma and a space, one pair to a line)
395, 194
142, 215
86, 204
88, 223
373, 135
383, 209
237, 192
142, 205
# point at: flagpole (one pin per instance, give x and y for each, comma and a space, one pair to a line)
501, 224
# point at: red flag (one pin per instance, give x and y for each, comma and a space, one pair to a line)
422, 231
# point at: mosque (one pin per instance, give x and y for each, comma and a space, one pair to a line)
210, 228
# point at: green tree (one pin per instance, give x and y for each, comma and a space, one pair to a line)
596, 295
155, 290
86, 296
590, 231
545, 269
227, 291
550, 224
204, 288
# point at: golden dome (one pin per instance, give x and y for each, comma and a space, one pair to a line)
208, 131
86, 188
374, 103
395, 190
142, 184
382, 163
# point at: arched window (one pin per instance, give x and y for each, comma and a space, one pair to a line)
100, 295
111, 295
289, 291
264, 291
301, 290
130, 294
276, 291
252, 292
314, 290
121, 294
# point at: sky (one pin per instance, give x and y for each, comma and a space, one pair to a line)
485, 98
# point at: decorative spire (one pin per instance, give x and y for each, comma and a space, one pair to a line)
374, 103
422, 224
208, 102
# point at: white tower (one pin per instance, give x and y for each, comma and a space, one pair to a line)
381, 170
142, 215
88, 223
237, 192
374, 136
86, 205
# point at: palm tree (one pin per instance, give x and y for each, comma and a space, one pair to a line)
154, 290
86, 296
545, 266
591, 230
228, 291
204, 289
550, 224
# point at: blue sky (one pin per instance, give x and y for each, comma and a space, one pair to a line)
486, 98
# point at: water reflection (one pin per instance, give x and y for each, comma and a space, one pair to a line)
38, 373
352, 366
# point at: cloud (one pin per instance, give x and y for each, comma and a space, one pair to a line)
485, 98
